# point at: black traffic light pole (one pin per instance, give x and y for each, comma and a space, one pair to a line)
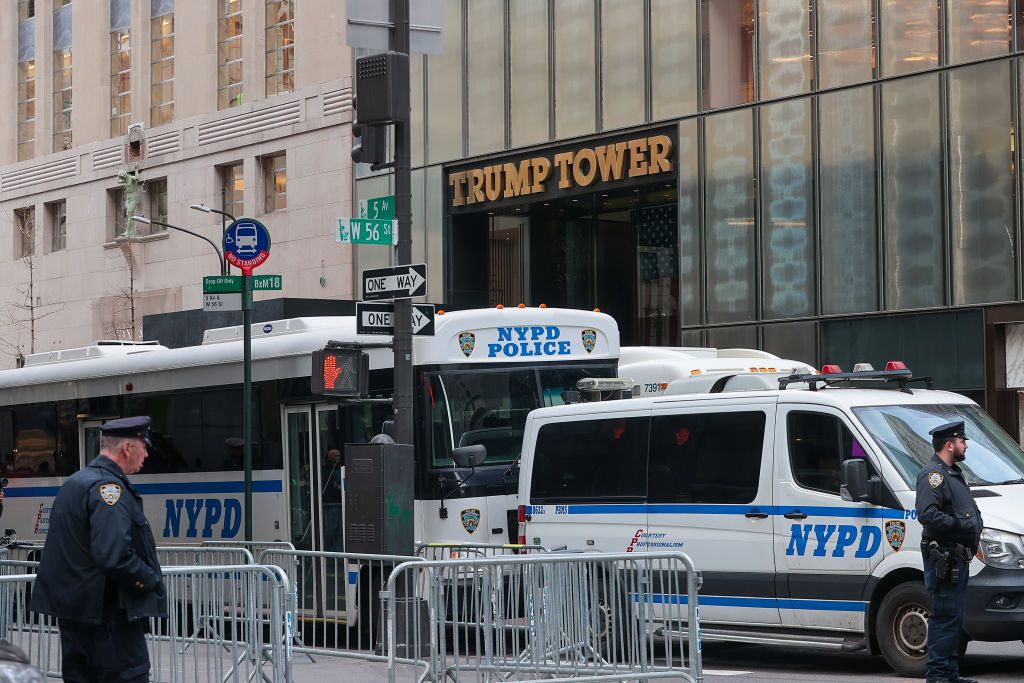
403, 407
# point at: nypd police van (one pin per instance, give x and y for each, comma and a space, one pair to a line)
794, 497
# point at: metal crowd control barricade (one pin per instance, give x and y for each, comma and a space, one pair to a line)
247, 617
459, 551
554, 616
337, 600
198, 555
35, 634
254, 547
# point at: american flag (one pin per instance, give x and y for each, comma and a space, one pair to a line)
658, 268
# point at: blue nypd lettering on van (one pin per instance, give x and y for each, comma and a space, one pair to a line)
202, 517
862, 541
533, 340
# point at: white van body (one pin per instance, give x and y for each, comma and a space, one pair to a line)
747, 483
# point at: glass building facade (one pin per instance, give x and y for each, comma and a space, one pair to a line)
841, 169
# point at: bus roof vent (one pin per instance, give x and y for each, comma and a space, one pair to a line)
274, 328
105, 348
716, 384
746, 353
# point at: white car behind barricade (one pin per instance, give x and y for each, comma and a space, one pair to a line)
794, 498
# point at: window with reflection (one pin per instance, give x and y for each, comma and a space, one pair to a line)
727, 43
575, 72
846, 41
622, 63
26, 109
485, 43
912, 180
787, 200
849, 242
910, 35
232, 179
978, 29
674, 50
444, 90
784, 44
120, 81
161, 102
229, 54
528, 41
981, 172
61, 99
730, 216
280, 46
687, 164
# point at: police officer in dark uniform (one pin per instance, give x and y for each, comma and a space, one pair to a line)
99, 573
951, 532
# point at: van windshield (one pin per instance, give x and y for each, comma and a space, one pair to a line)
902, 433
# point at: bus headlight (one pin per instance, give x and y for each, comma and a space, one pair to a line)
1001, 549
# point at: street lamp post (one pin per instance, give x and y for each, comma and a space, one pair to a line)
220, 255
223, 226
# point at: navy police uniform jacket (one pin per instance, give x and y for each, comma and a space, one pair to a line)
99, 552
945, 506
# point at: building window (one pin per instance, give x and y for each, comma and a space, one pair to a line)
26, 10
115, 206
727, 43
61, 99
156, 208
26, 109
161, 108
275, 183
229, 54
233, 182
58, 213
120, 81
25, 222
280, 58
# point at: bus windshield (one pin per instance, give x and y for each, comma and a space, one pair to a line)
490, 406
902, 433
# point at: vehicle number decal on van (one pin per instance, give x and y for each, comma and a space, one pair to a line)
651, 388
537, 510
561, 509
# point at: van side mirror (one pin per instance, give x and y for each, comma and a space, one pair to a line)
469, 456
857, 486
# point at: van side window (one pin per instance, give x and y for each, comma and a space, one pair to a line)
818, 445
591, 460
706, 457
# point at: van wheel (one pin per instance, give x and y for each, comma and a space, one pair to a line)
902, 628
616, 628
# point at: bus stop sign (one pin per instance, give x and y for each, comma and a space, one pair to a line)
246, 244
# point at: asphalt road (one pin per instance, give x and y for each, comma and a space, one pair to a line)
741, 662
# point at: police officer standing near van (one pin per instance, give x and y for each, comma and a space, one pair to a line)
951, 532
99, 573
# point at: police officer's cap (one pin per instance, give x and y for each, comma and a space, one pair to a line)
128, 427
949, 430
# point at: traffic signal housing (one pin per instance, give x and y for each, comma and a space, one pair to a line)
369, 143
340, 371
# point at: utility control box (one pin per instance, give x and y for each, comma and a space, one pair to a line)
379, 498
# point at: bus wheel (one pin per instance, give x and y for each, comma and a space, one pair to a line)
902, 628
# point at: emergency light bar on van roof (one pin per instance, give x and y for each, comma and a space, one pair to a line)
895, 371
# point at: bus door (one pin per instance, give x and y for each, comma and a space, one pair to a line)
315, 437
88, 440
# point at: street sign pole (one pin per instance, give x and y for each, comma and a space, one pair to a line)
246, 246
247, 394
403, 402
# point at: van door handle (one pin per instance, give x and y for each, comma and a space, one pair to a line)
756, 514
795, 514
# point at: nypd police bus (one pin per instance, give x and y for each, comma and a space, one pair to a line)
795, 499
475, 381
